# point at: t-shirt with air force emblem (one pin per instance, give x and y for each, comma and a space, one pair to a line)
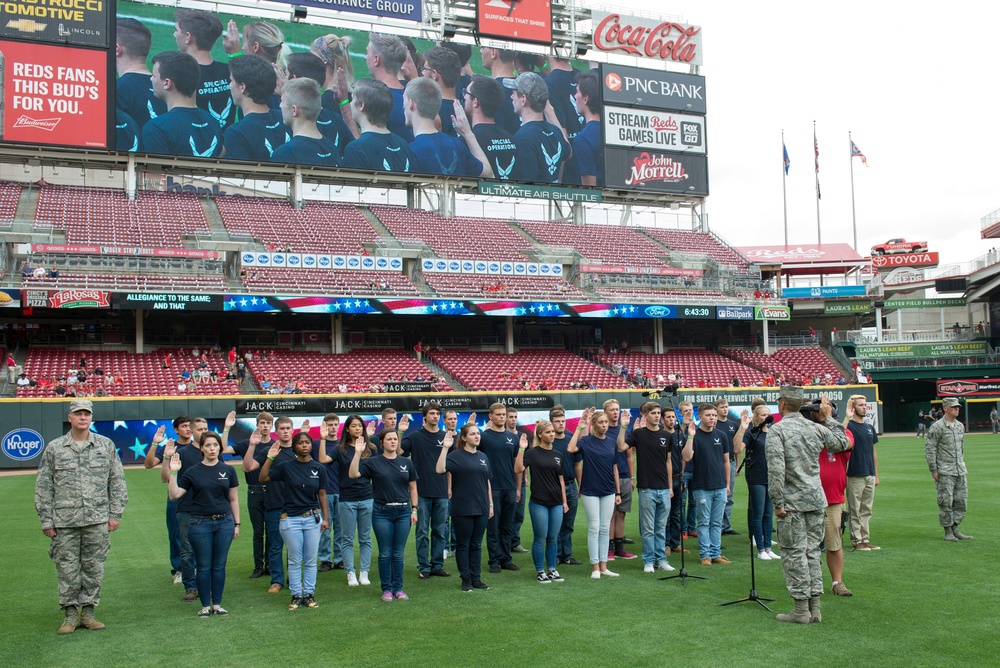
379, 151
390, 478
424, 448
186, 131
541, 150
214, 95
208, 488
710, 451
470, 477
652, 448
499, 148
255, 136
303, 480
501, 448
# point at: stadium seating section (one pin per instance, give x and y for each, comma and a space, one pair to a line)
214, 283
482, 370
694, 365
503, 287
698, 243
9, 194
611, 244
660, 295
340, 282
458, 237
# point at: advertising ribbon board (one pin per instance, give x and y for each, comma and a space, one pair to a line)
941, 302
656, 130
771, 313
982, 387
883, 352
553, 193
515, 20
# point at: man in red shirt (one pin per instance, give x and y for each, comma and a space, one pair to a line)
232, 359
833, 476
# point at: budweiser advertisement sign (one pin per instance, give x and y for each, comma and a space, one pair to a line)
648, 38
80, 299
969, 388
54, 95
632, 169
886, 262
665, 91
656, 130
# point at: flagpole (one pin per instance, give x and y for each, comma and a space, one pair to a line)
784, 178
854, 215
819, 231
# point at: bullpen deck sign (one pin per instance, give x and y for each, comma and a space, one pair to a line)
639, 128
668, 91
633, 169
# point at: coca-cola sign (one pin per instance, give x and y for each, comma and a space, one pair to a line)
647, 38
633, 169
80, 299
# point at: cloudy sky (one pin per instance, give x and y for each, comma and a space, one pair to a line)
915, 83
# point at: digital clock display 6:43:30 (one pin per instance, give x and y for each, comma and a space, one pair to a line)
697, 312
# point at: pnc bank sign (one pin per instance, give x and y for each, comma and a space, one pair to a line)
652, 89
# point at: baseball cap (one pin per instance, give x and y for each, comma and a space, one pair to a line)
81, 405
792, 392
530, 85
950, 402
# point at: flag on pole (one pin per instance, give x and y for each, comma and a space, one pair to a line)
856, 153
816, 150
787, 162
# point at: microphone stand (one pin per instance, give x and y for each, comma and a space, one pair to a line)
752, 596
682, 573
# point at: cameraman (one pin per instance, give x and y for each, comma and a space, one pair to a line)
754, 440
833, 475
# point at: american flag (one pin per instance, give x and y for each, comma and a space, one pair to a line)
856, 153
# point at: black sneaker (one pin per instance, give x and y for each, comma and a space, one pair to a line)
325, 566
509, 566
570, 561
479, 584
543, 578
309, 601
256, 573
440, 573
730, 532
494, 568
554, 576
339, 566
466, 584
627, 541
296, 602
423, 575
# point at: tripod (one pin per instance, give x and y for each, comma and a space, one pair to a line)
682, 573
752, 596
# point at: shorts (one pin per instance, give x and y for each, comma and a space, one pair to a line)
833, 540
626, 505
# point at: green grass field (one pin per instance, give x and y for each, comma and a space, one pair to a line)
919, 601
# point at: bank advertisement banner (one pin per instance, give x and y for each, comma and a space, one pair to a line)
666, 91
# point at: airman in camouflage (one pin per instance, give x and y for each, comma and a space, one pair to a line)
945, 453
793, 447
80, 496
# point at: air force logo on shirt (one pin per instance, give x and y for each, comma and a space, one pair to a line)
482, 461
223, 474
315, 474
718, 441
510, 441
403, 468
558, 460
663, 442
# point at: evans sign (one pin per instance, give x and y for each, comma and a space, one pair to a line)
667, 91
22, 444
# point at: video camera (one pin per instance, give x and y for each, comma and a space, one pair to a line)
811, 409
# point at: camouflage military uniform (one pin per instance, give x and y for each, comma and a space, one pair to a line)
79, 489
945, 453
793, 447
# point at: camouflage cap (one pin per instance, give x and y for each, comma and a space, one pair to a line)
791, 392
950, 402
81, 405
531, 85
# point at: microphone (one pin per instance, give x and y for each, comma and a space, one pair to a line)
768, 420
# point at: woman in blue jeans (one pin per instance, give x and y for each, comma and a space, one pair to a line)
215, 517
760, 510
548, 497
394, 486
355, 507
304, 504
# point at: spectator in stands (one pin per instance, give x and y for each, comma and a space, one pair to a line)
587, 141
337, 126
54, 272
196, 32
541, 144
213, 375
385, 56
260, 129
22, 381
265, 384
435, 152
418, 348
134, 89
300, 108
185, 129
444, 67
734, 382
39, 273
241, 371
11, 368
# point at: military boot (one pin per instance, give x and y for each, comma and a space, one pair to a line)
88, 620
798, 616
814, 614
949, 535
71, 621
958, 534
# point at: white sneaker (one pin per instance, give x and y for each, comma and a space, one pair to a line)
772, 555
363, 578
595, 575
352, 579
665, 566
649, 568
177, 578
445, 555
608, 574
763, 555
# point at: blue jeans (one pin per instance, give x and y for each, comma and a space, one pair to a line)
469, 530
356, 514
727, 515
654, 509
329, 551
275, 545
392, 529
432, 532
761, 514
676, 513
711, 503
173, 537
565, 545
187, 554
301, 535
210, 540
546, 521
691, 516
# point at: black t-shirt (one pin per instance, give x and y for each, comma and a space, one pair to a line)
424, 448
332, 469
499, 147
190, 456
729, 427
259, 456
256, 136
302, 150
214, 95
470, 476
546, 470
598, 477
541, 150
187, 131
379, 151
501, 448
351, 489
126, 133
302, 482
652, 448
709, 466
208, 488
862, 462
676, 451
568, 460
506, 116
274, 495
134, 95
754, 459
390, 478
333, 127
